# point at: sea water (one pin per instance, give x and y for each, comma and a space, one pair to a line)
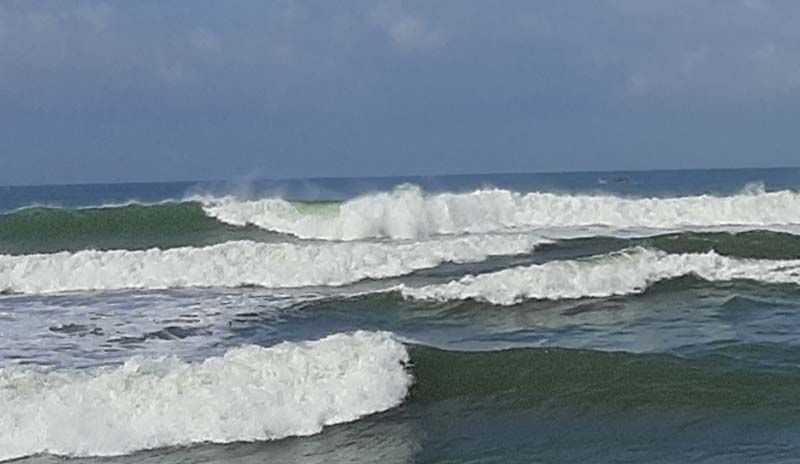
601, 317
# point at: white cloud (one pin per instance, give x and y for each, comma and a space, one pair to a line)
98, 16
411, 33
205, 40
2, 26
712, 48
173, 72
637, 85
406, 31
731, 50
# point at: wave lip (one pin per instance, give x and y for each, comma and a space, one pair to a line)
232, 264
627, 272
250, 393
407, 213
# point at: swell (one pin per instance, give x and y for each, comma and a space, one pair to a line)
408, 212
756, 244
567, 379
131, 226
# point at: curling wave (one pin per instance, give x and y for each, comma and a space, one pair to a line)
250, 393
408, 213
232, 264
627, 272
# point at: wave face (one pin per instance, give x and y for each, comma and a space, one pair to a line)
409, 213
132, 226
576, 381
250, 393
751, 244
233, 264
623, 273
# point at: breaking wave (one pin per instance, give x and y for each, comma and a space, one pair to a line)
627, 272
250, 393
408, 212
241, 263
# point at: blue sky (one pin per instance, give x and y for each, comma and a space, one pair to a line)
94, 91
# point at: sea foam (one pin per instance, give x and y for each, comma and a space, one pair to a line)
626, 272
231, 264
250, 393
407, 213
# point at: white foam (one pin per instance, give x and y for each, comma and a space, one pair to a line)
407, 212
250, 393
628, 272
277, 265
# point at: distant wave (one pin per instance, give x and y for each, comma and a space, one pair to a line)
404, 213
622, 273
408, 213
240, 263
250, 393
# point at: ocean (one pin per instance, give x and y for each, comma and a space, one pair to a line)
576, 317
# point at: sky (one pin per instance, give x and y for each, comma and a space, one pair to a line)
152, 90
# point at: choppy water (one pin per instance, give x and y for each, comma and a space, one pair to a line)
609, 317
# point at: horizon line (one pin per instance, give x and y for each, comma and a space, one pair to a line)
398, 176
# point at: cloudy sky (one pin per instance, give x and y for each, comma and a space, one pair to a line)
94, 91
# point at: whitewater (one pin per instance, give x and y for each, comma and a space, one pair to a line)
245, 263
627, 272
250, 393
409, 213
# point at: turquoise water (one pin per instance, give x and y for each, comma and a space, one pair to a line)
602, 317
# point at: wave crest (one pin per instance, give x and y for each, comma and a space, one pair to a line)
627, 272
232, 264
407, 213
250, 393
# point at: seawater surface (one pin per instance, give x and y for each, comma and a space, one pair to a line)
602, 317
